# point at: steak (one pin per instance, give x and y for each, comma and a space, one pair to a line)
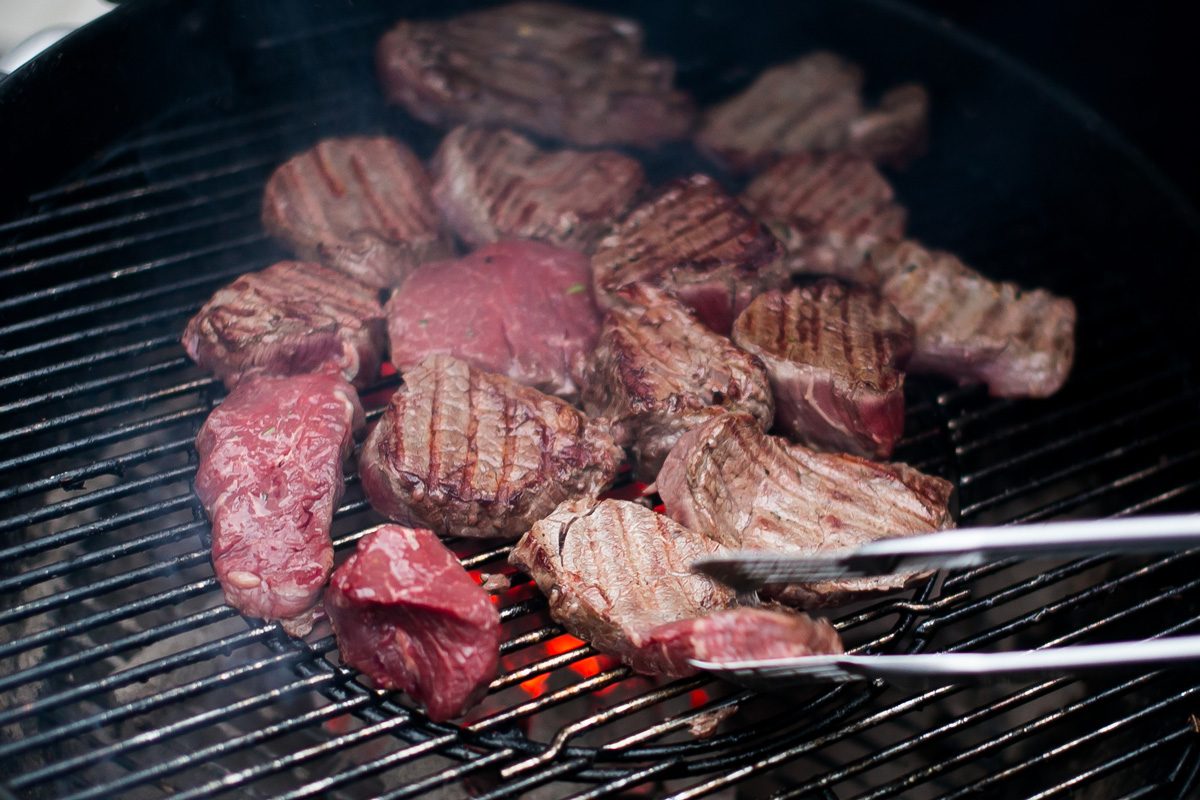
833, 354
747, 490
829, 211
614, 571
408, 615
497, 184
290, 318
658, 372
361, 205
270, 477
1019, 342
469, 453
551, 69
694, 238
521, 309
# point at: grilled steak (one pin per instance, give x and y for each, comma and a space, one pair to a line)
469, 453
828, 211
521, 309
1019, 342
409, 616
695, 239
497, 184
833, 354
658, 372
615, 571
270, 477
291, 318
730, 481
361, 205
547, 68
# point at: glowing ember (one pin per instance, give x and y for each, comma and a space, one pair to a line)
697, 697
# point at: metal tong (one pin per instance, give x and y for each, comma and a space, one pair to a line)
967, 547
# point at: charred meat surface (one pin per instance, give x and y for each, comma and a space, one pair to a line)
833, 354
614, 571
747, 490
409, 616
547, 68
498, 184
291, 318
470, 453
695, 239
658, 372
1021, 343
359, 204
521, 309
270, 477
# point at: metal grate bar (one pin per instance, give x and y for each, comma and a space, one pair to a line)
99, 384
112, 354
108, 466
95, 333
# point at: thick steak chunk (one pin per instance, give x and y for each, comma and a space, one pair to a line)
291, 318
410, 617
551, 69
658, 372
1019, 342
497, 184
833, 354
615, 571
470, 453
270, 477
521, 309
361, 205
697, 240
747, 490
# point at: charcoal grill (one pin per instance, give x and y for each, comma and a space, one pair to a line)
133, 156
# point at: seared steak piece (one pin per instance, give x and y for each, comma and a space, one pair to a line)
658, 372
521, 309
833, 354
361, 205
291, 318
828, 211
1019, 342
270, 477
746, 490
497, 184
469, 453
695, 239
410, 617
551, 69
614, 571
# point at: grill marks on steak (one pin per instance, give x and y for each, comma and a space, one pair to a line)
270, 477
409, 616
359, 204
291, 318
470, 453
547, 68
497, 184
1021, 343
730, 481
657, 372
833, 354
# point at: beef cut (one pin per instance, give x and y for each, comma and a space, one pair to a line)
359, 204
1020, 342
747, 490
498, 184
695, 239
614, 571
290, 318
658, 372
834, 355
521, 309
270, 477
470, 453
551, 69
409, 616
